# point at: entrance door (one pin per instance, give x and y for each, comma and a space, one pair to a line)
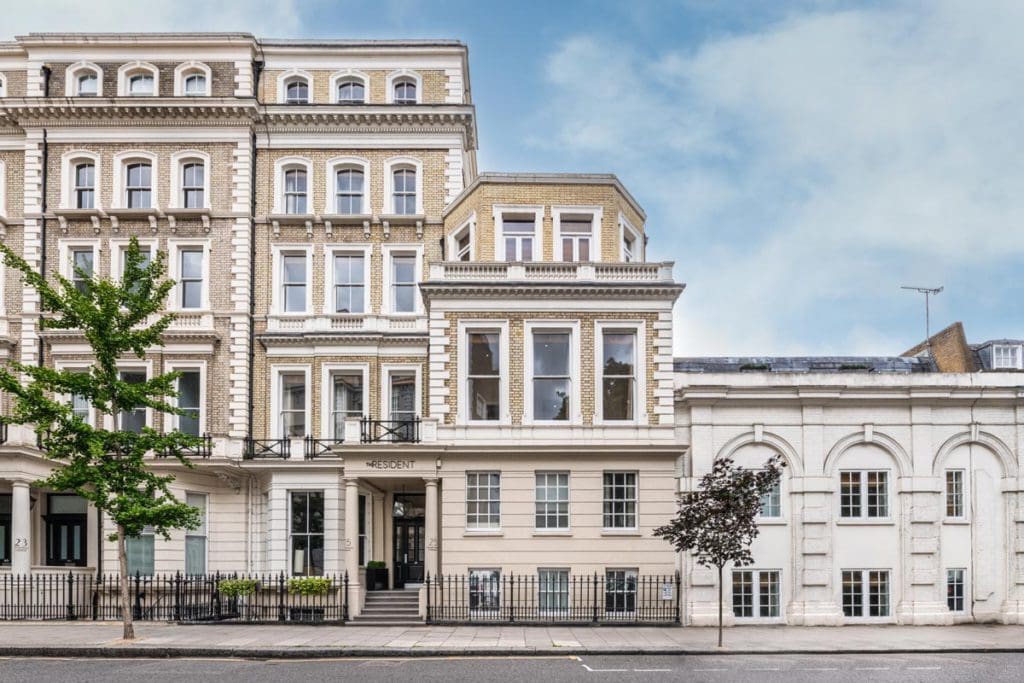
408, 551
65, 531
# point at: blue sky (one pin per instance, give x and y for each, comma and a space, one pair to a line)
799, 161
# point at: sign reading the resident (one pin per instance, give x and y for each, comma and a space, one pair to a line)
391, 464
666, 591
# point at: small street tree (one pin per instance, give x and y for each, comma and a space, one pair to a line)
107, 467
717, 521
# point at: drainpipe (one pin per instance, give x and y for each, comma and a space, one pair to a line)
46, 71
257, 70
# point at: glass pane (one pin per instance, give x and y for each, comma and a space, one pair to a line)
576, 226
300, 513
405, 299
316, 512
83, 260
403, 269
527, 248
195, 555
618, 353
294, 268
483, 353
188, 400
584, 247
295, 298
618, 399
403, 395
198, 501
140, 555
293, 392
348, 394
551, 399
191, 294
551, 353
67, 505
192, 263
517, 226
484, 399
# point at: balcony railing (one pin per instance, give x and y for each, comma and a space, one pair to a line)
473, 271
389, 431
257, 449
321, 448
345, 322
204, 449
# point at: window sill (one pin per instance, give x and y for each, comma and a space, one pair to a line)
621, 532
133, 213
956, 521
291, 218
857, 521
78, 213
482, 533
353, 218
182, 212
402, 218
559, 533
771, 521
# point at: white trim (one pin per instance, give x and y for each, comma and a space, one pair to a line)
596, 215
206, 531
349, 74
118, 245
275, 396
499, 210
388, 369
465, 327
862, 502
755, 594
612, 530
387, 252
638, 240
75, 71
327, 394
69, 160
330, 250
640, 370
200, 365
1016, 351
186, 69
452, 244
332, 166
122, 160
865, 594
277, 278
76, 365
403, 73
575, 373
389, 181
126, 71
178, 161
291, 74
174, 248
560, 530
64, 247
285, 164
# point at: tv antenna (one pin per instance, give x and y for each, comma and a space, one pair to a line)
928, 293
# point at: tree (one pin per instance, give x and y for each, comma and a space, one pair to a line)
106, 467
717, 521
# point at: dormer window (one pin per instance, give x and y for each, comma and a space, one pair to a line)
295, 192
140, 85
351, 91
85, 186
195, 85
297, 91
404, 90
139, 186
88, 85
1007, 357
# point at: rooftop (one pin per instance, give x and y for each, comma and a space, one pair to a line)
861, 364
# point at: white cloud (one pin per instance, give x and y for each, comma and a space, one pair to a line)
800, 173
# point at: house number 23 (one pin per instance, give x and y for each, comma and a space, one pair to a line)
21, 544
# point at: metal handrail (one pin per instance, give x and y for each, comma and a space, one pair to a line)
255, 449
320, 448
390, 431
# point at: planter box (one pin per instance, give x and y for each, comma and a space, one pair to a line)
376, 578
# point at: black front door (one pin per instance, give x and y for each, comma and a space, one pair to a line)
65, 540
408, 551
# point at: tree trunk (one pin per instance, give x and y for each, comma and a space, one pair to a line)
719, 605
126, 601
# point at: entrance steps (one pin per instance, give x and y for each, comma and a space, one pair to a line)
390, 608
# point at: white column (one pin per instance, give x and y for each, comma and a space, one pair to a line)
430, 532
352, 545
21, 528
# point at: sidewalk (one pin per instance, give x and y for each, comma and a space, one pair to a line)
102, 639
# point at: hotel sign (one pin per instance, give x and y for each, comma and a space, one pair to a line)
391, 464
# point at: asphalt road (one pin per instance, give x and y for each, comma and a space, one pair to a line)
861, 668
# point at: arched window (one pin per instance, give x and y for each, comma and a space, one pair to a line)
351, 91
87, 85
296, 91
195, 85
403, 190
193, 183
140, 84
138, 185
85, 185
404, 90
295, 191
349, 189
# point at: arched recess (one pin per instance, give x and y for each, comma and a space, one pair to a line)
984, 439
903, 462
793, 461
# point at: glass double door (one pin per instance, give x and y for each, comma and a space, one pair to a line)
409, 551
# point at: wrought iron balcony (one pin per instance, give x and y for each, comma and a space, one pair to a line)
321, 448
390, 431
256, 449
203, 450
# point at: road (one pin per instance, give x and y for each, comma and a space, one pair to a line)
594, 669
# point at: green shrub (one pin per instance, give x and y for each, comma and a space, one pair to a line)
309, 585
234, 588
375, 564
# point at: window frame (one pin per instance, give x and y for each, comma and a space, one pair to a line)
281, 166
179, 160
277, 398
278, 252
70, 161
330, 252
453, 252
489, 525
537, 503
564, 213
349, 75
290, 77
1016, 353
118, 247
387, 371
499, 211
327, 373
962, 493
957, 576
144, 367
501, 328
122, 161
127, 71
755, 595
79, 366
563, 581
497, 593
625, 226
639, 328
389, 251
605, 528
404, 74
572, 328
308, 534
863, 496
627, 574
864, 584
75, 71
65, 249
190, 366
195, 533
778, 493
332, 167
390, 166
174, 248
186, 70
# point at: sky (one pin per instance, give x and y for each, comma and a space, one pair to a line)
798, 160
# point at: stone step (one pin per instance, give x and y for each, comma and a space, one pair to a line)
376, 622
390, 610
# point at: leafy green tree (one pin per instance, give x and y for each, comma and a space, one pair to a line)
119, 319
717, 522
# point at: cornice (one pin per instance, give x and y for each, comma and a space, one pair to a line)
714, 393
543, 290
269, 339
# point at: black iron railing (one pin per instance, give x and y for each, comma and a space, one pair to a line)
202, 450
254, 449
390, 431
264, 598
321, 448
613, 598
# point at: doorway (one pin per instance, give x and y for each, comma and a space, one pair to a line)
409, 539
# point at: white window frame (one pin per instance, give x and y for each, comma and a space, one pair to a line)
465, 328
178, 162
289, 535
388, 251
865, 583
64, 249
349, 75
69, 163
174, 248
636, 503
1016, 351
499, 210
756, 595
286, 164
782, 504
390, 166
575, 400
638, 240
964, 589
332, 250
628, 572
190, 366
190, 68
559, 530
278, 251
489, 528
400, 74
276, 371
452, 247
389, 369
112, 421
77, 366
194, 532
75, 71
126, 71
964, 493
118, 247
557, 611
596, 216
890, 499
282, 82
328, 370
331, 185
122, 160
640, 383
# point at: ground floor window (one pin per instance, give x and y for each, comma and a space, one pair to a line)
955, 589
865, 593
755, 593
553, 589
141, 553
307, 533
620, 590
484, 590
195, 539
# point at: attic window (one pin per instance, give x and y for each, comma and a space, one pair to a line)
1007, 357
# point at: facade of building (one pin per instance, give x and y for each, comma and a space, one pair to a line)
398, 359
